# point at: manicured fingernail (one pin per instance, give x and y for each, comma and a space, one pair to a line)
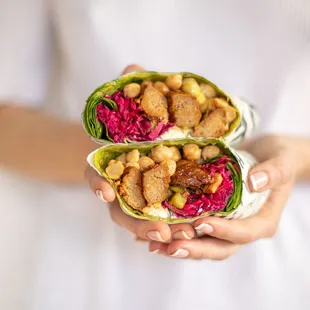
155, 235
181, 235
259, 180
99, 194
156, 251
204, 229
180, 253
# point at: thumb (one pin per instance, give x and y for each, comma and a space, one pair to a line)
272, 173
132, 68
99, 186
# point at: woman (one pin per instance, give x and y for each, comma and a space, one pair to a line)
60, 249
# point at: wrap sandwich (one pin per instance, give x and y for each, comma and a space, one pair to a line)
150, 106
179, 181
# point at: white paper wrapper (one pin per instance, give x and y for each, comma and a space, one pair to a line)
249, 122
250, 202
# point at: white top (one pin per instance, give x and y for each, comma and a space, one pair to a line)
59, 248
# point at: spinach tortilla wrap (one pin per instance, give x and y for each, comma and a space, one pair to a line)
151, 106
178, 181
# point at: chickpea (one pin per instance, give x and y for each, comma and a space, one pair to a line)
172, 166
132, 90
174, 82
146, 163
115, 169
231, 114
176, 155
121, 158
204, 108
161, 153
191, 151
133, 156
112, 161
221, 103
208, 90
208, 106
136, 165
190, 86
210, 151
145, 84
162, 87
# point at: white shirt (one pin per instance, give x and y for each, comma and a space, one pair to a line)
59, 248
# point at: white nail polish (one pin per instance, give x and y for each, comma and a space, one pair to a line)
155, 251
181, 253
204, 229
259, 180
185, 235
100, 195
155, 236
179, 235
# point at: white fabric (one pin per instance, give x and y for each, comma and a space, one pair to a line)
59, 248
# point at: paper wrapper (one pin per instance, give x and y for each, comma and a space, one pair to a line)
246, 203
241, 127
249, 123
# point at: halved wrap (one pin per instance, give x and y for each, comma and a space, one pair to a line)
179, 181
151, 106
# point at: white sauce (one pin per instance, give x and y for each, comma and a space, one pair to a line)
175, 133
157, 210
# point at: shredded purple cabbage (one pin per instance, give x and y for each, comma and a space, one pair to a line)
198, 204
128, 121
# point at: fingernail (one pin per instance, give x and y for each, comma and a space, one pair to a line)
180, 253
99, 194
156, 251
155, 236
181, 235
204, 228
259, 180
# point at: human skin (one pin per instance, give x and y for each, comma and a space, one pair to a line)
41, 146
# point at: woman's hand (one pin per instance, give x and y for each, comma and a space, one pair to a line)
221, 237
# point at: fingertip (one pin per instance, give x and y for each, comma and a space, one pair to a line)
213, 226
178, 248
258, 180
204, 229
182, 232
155, 231
132, 68
107, 191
